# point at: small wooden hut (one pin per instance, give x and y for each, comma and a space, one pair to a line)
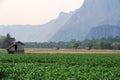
16, 47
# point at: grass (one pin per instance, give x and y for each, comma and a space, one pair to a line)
65, 51
70, 51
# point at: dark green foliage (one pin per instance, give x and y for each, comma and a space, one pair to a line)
75, 45
2, 39
60, 67
50, 44
116, 45
2, 75
109, 43
5, 41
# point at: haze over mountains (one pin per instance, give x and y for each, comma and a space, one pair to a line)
92, 14
80, 24
39, 33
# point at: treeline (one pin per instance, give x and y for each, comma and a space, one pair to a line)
48, 44
109, 43
5, 41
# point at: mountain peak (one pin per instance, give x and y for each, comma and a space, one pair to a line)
92, 13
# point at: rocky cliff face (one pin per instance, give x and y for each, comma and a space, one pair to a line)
104, 31
92, 13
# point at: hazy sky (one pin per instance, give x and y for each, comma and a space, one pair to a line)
34, 11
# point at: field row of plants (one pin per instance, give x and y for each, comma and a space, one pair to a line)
60, 67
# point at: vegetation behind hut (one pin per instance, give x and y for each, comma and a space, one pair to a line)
5, 41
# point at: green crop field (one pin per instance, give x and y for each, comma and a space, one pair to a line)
59, 66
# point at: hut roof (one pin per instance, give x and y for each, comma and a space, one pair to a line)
14, 43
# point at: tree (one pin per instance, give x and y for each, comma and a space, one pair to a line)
75, 45
7, 41
116, 45
2, 38
88, 44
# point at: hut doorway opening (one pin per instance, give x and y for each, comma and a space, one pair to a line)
15, 47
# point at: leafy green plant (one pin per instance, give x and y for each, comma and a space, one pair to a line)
60, 67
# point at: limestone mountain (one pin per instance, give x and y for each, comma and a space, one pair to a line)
92, 13
104, 31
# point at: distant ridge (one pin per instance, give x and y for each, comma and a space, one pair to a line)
38, 33
92, 13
